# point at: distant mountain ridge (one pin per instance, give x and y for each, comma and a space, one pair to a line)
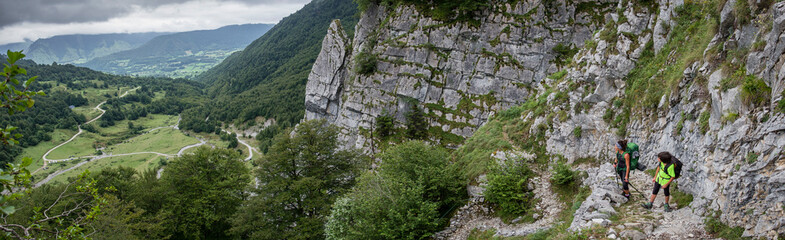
183, 54
17, 46
80, 48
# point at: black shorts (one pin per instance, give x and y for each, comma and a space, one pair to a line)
657, 187
624, 184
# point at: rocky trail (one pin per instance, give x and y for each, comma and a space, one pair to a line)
623, 219
605, 208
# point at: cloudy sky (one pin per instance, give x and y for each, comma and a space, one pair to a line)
33, 19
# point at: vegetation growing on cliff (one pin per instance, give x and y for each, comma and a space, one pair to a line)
658, 74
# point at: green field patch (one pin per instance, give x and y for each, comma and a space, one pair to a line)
37, 152
139, 162
88, 111
82, 145
97, 95
165, 140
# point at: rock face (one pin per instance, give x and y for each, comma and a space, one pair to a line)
461, 74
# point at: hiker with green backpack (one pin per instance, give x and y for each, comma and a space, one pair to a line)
626, 160
668, 170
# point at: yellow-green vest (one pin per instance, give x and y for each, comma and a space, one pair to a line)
665, 175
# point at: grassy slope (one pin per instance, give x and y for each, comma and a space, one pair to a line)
166, 140
139, 162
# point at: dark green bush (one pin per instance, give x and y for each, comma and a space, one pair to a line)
416, 125
755, 92
703, 121
508, 189
563, 175
366, 63
385, 126
407, 198
577, 131
564, 53
743, 12
716, 227
781, 104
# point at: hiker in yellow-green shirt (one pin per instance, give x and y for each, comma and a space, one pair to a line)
663, 177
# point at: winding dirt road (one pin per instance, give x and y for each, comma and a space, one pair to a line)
97, 157
250, 149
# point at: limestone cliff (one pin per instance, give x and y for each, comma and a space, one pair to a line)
462, 74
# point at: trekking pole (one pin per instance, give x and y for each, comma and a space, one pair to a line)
639, 192
618, 178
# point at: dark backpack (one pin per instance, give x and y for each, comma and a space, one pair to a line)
676, 167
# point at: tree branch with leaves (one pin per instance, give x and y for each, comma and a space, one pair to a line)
64, 216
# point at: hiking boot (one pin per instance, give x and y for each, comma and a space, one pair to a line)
627, 196
667, 208
646, 205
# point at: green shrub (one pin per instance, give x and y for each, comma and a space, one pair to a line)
564, 53
416, 125
681, 199
730, 117
608, 116
385, 126
590, 44
765, 117
755, 92
680, 125
577, 131
366, 63
752, 157
716, 227
609, 34
758, 45
703, 121
563, 175
508, 189
558, 75
781, 104
743, 12
407, 198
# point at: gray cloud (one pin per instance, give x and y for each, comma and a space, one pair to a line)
79, 11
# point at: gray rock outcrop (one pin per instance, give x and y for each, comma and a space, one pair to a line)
462, 74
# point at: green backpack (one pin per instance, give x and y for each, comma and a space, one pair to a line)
635, 154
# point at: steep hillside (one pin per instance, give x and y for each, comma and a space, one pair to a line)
82, 48
184, 54
560, 82
268, 78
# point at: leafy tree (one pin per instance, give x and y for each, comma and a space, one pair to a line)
120, 220
61, 217
299, 178
508, 188
406, 198
416, 126
203, 191
59, 211
12, 98
385, 126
